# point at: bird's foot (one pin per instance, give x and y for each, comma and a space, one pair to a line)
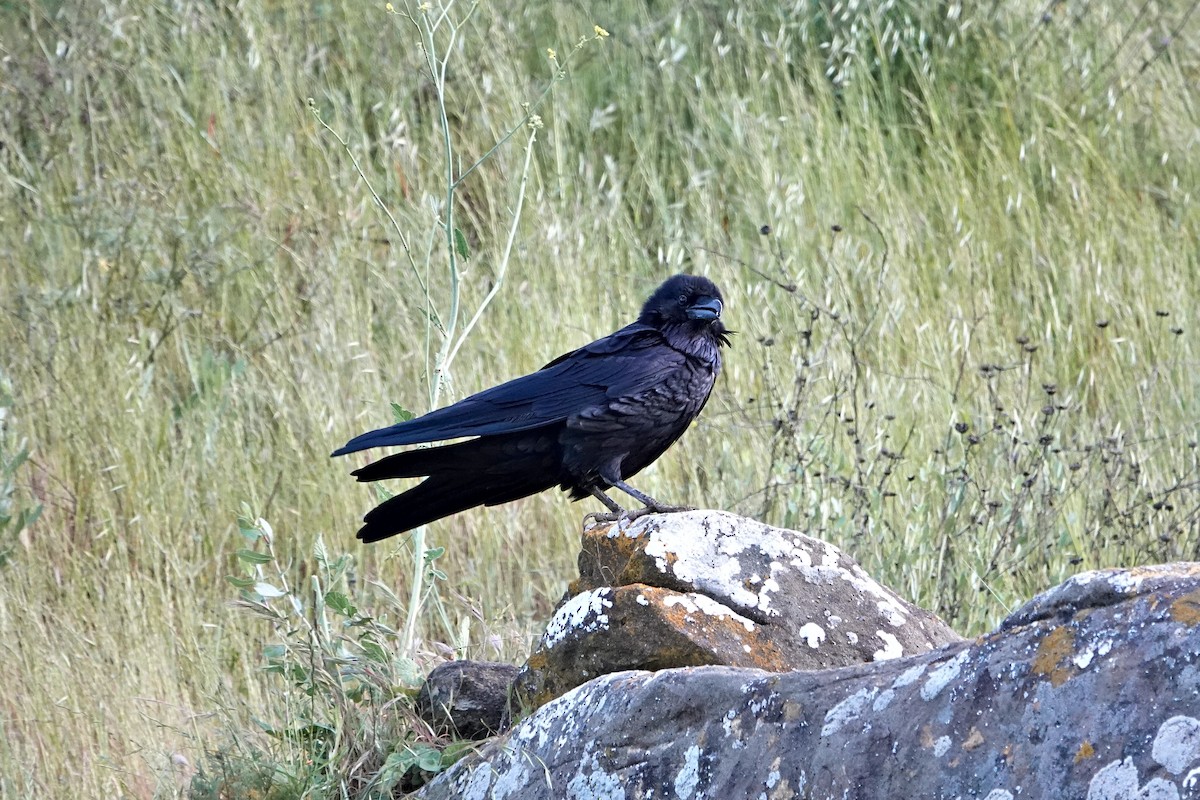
630, 516
596, 518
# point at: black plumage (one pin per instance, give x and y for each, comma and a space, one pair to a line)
586, 422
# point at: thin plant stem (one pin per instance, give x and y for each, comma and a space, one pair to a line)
502, 267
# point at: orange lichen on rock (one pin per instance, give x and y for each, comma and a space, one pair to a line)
1186, 609
606, 559
1085, 751
1053, 656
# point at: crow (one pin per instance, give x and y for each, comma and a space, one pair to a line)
586, 422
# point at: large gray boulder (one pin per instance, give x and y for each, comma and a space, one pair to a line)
708, 587
1090, 691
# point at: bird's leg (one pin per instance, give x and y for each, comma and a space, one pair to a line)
649, 504
613, 506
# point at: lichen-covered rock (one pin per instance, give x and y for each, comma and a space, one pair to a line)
1091, 691
707, 587
466, 699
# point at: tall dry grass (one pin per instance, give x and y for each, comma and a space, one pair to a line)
966, 347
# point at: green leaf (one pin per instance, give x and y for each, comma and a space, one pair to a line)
393, 770
320, 554
434, 553
409, 673
428, 758
460, 244
456, 750
421, 756
340, 603
241, 583
401, 413
274, 652
253, 557
374, 652
246, 525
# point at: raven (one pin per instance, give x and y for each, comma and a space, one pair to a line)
586, 421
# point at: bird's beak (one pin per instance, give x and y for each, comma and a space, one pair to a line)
705, 308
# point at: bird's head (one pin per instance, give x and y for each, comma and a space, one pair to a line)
692, 301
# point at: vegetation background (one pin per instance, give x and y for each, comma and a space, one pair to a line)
958, 243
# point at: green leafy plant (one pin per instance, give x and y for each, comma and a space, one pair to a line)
348, 715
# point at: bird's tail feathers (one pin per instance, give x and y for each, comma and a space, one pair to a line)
440, 496
415, 463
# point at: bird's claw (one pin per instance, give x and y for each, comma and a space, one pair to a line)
596, 518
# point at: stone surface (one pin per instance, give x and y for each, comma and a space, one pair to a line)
1090, 691
707, 587
466, 699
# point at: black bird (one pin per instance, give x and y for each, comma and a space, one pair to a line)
586, 421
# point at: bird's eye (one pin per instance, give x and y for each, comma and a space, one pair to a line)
683, 299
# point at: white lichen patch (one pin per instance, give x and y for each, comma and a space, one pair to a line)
943, 674
688, 777
999, 794
812, 634
725, 562
562, 714
941, 746
890, 606
731, 723
710, 563
1088, 653
891, 647
820, 575
473, 784
758, 705
892, 611
698, 603
595, 783
884, 700
1118, 780
847, 710
583, 613
1126, 581
1177, 744
509, 783
909, 676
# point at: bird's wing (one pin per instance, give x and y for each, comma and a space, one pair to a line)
622, 364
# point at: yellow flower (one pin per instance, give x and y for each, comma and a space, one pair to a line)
550, 54
600, 32
391, 9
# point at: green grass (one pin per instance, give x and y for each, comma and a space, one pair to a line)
993, 226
